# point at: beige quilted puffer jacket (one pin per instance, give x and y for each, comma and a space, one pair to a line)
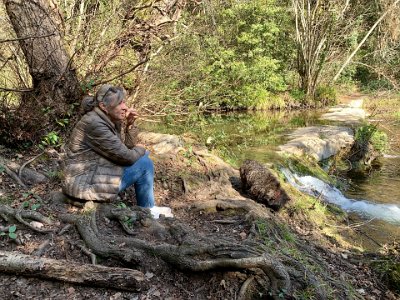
95, 158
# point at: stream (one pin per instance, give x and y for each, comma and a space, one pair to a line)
372, 200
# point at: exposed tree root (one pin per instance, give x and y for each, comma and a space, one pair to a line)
13, 176
243, 290
190, 253
28, 162
178, 245
301, 275
20, 215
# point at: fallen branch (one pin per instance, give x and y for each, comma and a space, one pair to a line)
92, 275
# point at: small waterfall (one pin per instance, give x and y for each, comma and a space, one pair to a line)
316, 187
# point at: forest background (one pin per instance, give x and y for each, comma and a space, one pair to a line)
180, 57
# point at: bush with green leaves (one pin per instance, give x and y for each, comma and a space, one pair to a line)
233, 57
325, 95
369, 133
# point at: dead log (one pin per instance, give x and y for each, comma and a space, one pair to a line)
77, 273
261, 185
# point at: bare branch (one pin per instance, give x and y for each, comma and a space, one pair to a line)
27, 38
123, 73
350, 57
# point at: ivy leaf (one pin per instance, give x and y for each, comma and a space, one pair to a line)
12, 235
121, 205
12, 229
35, 206
25, 204
2, 233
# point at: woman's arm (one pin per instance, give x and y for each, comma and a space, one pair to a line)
104, 140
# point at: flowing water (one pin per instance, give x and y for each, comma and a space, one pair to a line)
372, 199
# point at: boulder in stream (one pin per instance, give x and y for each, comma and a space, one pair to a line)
261, 185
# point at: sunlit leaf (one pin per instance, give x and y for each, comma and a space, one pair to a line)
12, 235
12, 229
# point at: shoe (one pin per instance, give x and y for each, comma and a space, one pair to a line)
156, 211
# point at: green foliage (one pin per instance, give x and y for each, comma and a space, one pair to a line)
325, 95
233, 58
50, 139
32, 201
121, 205
369, 133
380, 141
10, 232
396, 116
298, 95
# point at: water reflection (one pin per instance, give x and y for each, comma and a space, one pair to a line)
239, 135
381, 183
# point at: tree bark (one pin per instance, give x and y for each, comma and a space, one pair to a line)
93, 275
55, 84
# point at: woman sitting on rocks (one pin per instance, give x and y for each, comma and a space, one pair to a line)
98, 164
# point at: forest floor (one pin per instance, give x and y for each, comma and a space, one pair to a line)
182, 180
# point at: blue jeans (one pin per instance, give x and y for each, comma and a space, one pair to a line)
141, 175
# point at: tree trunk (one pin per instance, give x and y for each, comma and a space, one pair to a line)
55, 84
93, 275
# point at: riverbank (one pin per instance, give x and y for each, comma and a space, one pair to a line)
205, 195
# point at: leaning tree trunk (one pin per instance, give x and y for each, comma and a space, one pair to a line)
55, 84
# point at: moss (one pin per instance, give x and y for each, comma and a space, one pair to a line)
304, 166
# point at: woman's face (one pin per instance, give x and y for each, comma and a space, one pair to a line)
116, 113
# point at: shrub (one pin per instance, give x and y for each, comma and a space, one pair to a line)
369, 133
234, 58
325, 95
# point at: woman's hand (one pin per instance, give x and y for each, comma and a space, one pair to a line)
131, 116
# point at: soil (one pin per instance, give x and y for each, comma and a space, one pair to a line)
181, 181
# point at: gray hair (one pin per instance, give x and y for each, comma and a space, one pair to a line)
107, 94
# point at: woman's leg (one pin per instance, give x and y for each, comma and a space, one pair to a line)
141, 175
